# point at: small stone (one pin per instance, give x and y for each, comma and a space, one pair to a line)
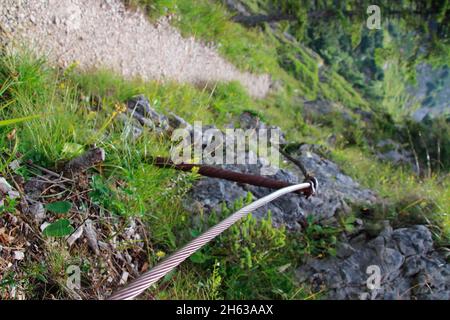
5, 187
344, 250
19, 255
91, 236
37, 210
130, 230
44, 225
124, 278
75, 236
13, 194
178, 122
14, 165
103, 245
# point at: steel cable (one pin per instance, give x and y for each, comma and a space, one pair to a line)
143, 282
216, 172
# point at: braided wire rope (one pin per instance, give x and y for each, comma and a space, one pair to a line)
143, 282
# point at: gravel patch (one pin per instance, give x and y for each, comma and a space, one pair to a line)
103, 33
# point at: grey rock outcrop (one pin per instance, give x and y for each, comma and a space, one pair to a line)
430, 92
408, 266
336, 193
248, 120
337, 190
140, 108
392, 151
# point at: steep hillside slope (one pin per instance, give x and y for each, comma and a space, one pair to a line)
79, 189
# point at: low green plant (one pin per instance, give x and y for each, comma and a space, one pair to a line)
58, 229
252, 258
107, 197
59, 207
9, 205
317, 240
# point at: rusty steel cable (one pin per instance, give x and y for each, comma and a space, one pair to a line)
215, 172
296, 162
143, 282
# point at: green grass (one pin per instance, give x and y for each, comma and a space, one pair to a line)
300, 65
412, 200
258, 50
336, 88
219, 104
35, 91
